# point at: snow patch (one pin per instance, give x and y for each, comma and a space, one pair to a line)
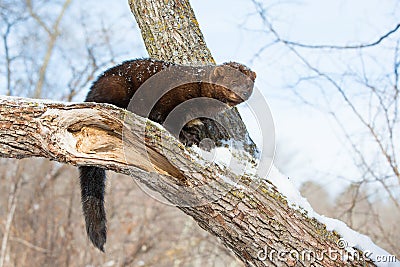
228, 157
351, 237
225, 157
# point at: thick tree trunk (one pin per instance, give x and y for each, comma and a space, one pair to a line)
171, 33
249, 220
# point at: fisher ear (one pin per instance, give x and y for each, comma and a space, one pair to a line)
252, 75
217, 72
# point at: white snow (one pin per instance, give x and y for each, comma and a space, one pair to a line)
350, 237
227, 157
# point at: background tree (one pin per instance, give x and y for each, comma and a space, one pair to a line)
355, 85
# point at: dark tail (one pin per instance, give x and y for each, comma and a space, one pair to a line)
92, 181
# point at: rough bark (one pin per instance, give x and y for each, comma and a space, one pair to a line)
171, 32
247, 218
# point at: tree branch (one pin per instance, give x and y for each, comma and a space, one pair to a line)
245, 217
338, 47
262, 12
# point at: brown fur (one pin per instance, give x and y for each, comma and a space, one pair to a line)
230, 83
223, 82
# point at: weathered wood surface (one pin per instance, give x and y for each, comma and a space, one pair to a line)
246, 218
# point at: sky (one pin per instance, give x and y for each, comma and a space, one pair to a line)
310, 143
311, 140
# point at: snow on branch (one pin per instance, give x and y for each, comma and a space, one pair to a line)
249, 214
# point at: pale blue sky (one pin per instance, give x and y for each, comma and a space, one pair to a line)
233, 32
310, 140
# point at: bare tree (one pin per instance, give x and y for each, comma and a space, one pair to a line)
12, 204
53, 32
365, 89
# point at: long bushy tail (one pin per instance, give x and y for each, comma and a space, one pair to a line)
92, 181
